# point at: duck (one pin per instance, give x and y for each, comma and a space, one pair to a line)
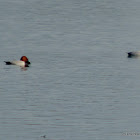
23, 62
134, 54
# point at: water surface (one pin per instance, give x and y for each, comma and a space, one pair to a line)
81, 85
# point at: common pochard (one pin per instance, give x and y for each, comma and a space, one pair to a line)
134, 54
23, 62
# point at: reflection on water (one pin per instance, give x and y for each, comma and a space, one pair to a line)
24, 68
134, 56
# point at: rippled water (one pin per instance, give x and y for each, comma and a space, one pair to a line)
81, 85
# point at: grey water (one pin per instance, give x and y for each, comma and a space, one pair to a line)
80, 85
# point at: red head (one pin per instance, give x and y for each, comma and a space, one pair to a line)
25, 59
